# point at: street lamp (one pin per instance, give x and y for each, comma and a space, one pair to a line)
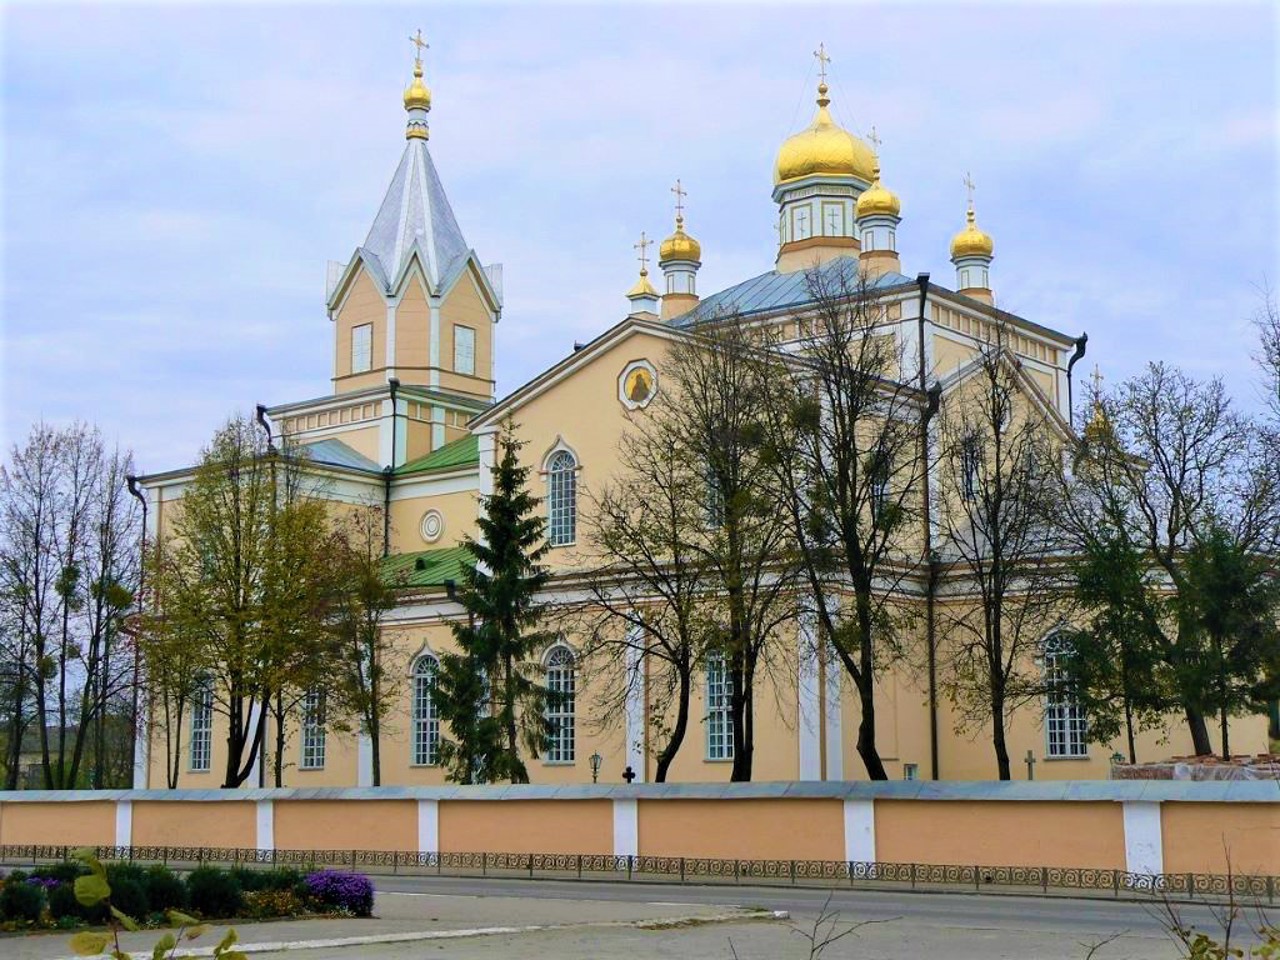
596, 760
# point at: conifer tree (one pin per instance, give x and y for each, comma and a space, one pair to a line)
494, 705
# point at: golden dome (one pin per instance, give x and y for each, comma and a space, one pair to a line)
416, 95
680, 246
971, 242
823, 148
877, 201
643, 287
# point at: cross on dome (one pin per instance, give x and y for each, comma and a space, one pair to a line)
874, 138
969, 187
421, 45
643, 257
680, 195
823, 60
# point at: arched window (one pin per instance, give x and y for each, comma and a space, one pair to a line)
562, 498
426, 720
202, 724
561, 695
313, 733
1064, 721
719, 725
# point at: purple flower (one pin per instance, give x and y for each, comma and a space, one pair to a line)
347, 891
47, 882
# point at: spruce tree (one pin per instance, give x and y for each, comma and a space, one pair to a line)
493, 703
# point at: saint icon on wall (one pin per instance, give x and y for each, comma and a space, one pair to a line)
637, 385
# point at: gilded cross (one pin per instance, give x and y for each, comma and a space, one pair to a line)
969, 186
823, 60
1097, 380
421, 44
643, 247
680, 195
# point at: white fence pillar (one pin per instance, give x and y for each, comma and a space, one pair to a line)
626, 828
428, 826
266, 825
124, 823
1143, 837
860, 831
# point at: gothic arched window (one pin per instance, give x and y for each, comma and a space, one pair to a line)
561, 704
562, 498
426, 719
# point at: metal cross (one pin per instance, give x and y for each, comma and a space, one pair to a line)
418, 42
1097, 380
680, 195
643, 247
875, 140
968, 183
823, 60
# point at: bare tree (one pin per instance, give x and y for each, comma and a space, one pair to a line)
68, 564
652, 589
995, 508
844, 435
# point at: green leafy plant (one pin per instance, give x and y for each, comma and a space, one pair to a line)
21, 901
214, 892
93, 889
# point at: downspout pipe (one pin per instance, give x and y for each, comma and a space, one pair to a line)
265, 424
388, 472
136, 491
1082, 343
934, 395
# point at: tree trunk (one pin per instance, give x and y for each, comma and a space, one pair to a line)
998, 740
1200, 742
277, 764
1226, 740
867, 749
668, 753
375, 748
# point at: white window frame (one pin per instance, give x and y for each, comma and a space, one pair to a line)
362, 348
200, 757
1066, 731
464, 361
313, 730
561, 682
719, 719
425, 715
562, 498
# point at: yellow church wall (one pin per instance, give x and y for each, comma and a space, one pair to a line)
417, 439
949, 355
413, 331
466, 307
458, 510
364, 304
165, 824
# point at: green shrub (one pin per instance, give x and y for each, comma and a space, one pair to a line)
214, 893
17, 875
63, 905
249, 878
165, 889
21, 902
129, 896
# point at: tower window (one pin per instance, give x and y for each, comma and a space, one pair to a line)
464, 350
202, 725
361, 348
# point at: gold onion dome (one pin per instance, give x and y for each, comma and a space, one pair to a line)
823, 148
416, 95
877, 201
680, 246
643, 287
971, 242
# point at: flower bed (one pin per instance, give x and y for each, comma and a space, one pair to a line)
44, 898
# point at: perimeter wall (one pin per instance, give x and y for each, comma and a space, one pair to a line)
1142, 827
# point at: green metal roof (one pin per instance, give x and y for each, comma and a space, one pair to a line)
460, 453
426, 568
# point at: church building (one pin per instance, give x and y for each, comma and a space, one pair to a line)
413, 418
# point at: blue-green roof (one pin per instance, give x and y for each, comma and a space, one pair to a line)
459, 453
777, 291
426, 568
338, 454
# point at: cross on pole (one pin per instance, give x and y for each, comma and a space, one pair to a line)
875, 140
823, 60
969, 186
421, 45
1097, 380
643, 247
680, 195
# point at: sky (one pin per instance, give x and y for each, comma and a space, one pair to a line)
175, 177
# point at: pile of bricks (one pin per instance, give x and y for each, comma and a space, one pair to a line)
1263, 766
